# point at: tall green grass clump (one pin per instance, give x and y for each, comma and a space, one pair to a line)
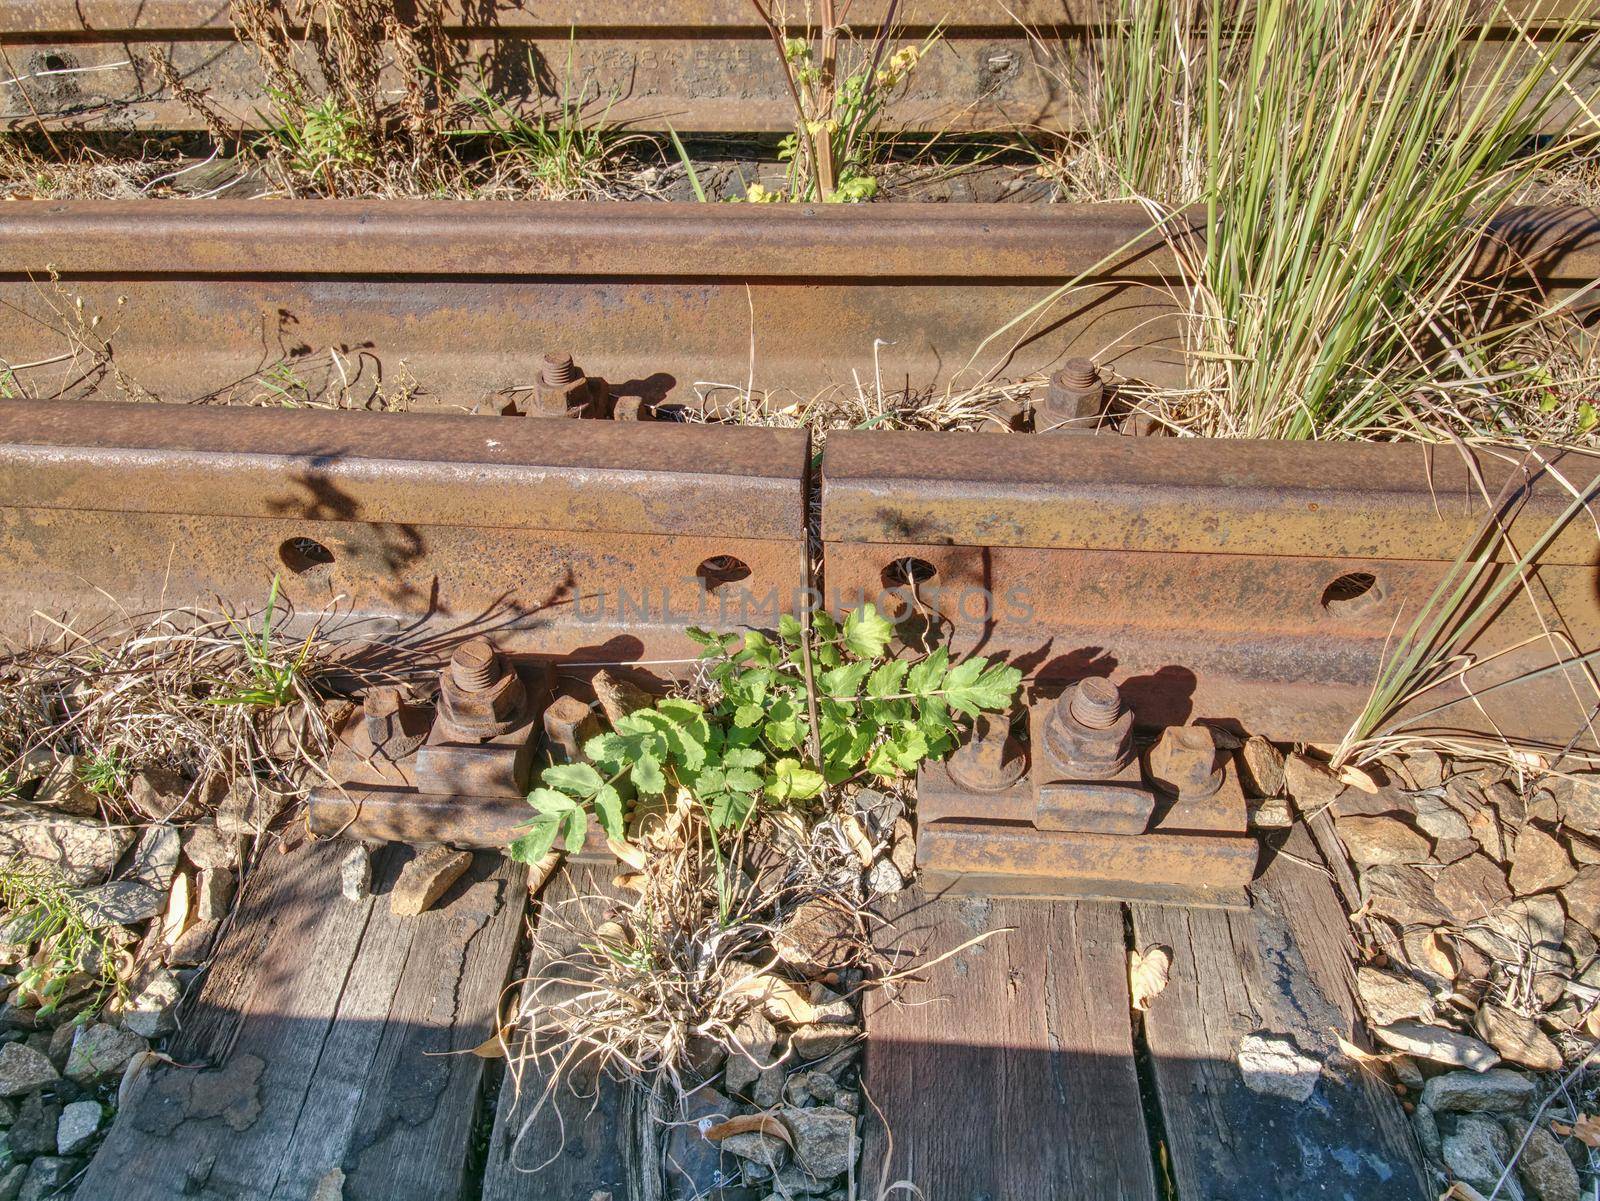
1337, 163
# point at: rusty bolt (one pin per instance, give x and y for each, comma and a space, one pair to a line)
478, 697
1185, 761
568, 724
1074, 398
563, 390
558, 370
1088, 734
475, 666
990, 760
1096, 703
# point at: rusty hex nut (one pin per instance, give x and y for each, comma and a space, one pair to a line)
477, 694
1185, 761
1074, 398
563, 390
990, 760
1089, 736
568, 724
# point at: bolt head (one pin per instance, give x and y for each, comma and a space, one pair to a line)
1078, 750
990, 760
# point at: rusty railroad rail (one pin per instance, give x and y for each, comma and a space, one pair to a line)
453, 304
696, 65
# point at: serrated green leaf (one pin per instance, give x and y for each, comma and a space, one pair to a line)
749, 715
844, 681
577, 827
534, 845
731, 809
608, 812
823, 626
606, 749
742, 779
975, 685
888, 678
867, 632
574, 779
789, 630
758, 649
928, 674
743, 757
549, 801
647, 775
791, 782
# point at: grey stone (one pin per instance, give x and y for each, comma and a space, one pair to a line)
8, 1112
64, 788
426, 878
1274, 1066
753, 1042
34, 1131
824, 1139
47, 1176
1426, 1124
78, 1125
883, 879
821, 1086
11, 1181
61, 1044
1389, 997
166, 796
1520, 930
815, 1042
150, 1012
101, 1051
193, 945
762, 1148
155, 861
767, 1091
1439, 820
120, 903
1437, 1044
1477, 1152
23, 1069
1498, 1090
81, 851
1517, 1037
215, 890
1543, 1167
209, 849
795, 1181
248, 810
355, 873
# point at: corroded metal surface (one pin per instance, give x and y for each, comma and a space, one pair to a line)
1250, 582
694, 64
581, 539
438, 304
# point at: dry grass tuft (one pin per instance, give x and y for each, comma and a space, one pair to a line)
205, 694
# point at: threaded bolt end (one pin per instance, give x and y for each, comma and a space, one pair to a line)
1096, 703
1079, 374
475, 666
558, 370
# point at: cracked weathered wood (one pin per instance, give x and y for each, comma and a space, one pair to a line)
1007, 1072
1281, 970
590, 1135
319, 1053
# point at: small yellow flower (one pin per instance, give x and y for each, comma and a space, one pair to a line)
756, 194
830, 126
